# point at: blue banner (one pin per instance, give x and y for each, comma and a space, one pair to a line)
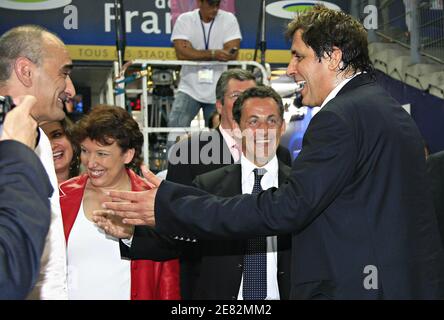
89, 25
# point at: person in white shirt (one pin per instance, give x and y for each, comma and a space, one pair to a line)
204, 34
37, 62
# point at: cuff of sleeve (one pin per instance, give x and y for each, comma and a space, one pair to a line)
128, 242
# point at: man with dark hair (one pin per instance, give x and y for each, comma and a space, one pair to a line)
226, 265
356, 200
34, 61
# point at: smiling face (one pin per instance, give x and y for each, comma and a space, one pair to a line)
62, 150
52, 84
262, 127
305, 66
105, 164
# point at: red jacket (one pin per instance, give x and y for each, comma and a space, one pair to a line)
150, 280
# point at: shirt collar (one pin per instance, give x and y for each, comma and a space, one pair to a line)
248, 167
338, 88
227, 137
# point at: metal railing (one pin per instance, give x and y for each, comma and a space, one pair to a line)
416, 24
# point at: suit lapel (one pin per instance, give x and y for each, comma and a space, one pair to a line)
283, 241
283, 172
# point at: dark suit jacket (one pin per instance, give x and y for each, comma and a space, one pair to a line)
221, 261
356, 201
201, 152
435, 170
24, 218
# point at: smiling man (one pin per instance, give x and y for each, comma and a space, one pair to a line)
257, 268
356, 200
34, 61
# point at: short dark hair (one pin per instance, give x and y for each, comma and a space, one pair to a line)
325, 28
23, 41
226, 76
106, 124
257, 92
213, 2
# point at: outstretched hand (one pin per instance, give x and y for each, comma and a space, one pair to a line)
135, 207
112, 224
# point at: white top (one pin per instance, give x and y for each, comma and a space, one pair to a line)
269, 180
95, 268
51, 283
189, 27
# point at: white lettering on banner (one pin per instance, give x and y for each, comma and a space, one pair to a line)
163, 4
371, 20
128, 18
71, 21
168, 22
150, 24
108, 16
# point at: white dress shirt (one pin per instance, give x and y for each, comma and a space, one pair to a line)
269, 180
51, 283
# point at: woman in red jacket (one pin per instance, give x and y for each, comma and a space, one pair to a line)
110, 142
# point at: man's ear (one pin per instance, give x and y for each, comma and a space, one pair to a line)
219, 106
283, 127
335, 62
24, 69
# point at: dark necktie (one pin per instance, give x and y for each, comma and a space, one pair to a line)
255, 258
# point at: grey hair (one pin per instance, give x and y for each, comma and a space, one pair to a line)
236, 74
23, 41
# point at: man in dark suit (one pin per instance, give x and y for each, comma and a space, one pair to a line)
24, 204
435, 170
356, 201
222, 262
206, 151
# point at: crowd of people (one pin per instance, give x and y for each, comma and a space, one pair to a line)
354, 216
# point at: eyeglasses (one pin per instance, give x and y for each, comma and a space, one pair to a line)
234, 95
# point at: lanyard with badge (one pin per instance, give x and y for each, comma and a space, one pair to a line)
205, 75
